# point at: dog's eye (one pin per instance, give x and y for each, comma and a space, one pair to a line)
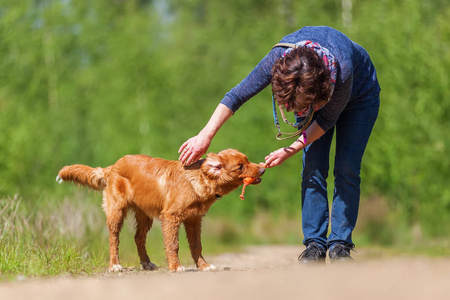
240, 167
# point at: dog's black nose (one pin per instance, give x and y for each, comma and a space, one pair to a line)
261, 171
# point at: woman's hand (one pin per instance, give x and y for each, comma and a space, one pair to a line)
194, 148
277, 157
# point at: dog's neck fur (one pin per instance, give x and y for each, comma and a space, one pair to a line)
203, 184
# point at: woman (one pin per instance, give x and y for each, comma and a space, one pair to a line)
318, 72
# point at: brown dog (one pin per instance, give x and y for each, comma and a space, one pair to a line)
167, 190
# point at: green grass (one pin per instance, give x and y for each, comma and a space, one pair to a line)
53, 237
23, 259
44, 240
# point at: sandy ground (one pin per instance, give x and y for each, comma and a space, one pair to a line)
263, 272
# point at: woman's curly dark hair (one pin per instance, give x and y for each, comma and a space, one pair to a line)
301, 79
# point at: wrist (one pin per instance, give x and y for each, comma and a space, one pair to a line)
303, 139
208, 134
301, 142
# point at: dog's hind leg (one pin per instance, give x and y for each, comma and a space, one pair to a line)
193, 233
143, 225
170, 226
114, 219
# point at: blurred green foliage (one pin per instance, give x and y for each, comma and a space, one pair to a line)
90, 81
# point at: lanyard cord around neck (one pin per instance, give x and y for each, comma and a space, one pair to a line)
303, 124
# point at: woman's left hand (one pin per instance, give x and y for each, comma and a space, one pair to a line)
277, 157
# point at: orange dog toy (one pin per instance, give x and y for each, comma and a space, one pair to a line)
247, 181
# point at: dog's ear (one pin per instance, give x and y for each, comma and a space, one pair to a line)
212, 165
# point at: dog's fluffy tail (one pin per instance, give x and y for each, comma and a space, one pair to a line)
95, 178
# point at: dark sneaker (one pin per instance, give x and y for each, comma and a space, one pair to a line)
313, 254
340, 253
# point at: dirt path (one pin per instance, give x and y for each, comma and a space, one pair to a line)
264, 272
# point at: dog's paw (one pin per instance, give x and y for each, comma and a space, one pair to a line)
59, 179
149, 266
116, 268
179, 269
210, 268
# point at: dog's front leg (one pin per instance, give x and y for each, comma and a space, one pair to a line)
193, 233
170, 226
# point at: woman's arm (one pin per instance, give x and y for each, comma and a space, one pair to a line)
277, 157
259, 78
194, 148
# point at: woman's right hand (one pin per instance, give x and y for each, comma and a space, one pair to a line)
194, 148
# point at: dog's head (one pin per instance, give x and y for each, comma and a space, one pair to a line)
230, 167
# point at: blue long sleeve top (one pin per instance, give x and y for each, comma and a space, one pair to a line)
356, 76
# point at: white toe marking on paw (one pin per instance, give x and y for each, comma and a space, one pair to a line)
116, 268
181, 269
211, 268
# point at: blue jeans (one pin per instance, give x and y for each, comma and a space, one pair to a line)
352, 134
